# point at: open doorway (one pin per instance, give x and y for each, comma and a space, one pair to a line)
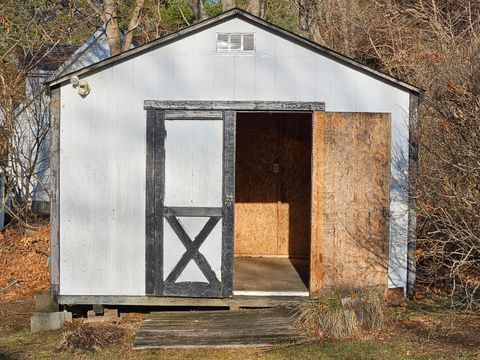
272, 203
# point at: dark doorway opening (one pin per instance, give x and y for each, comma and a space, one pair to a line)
272, 202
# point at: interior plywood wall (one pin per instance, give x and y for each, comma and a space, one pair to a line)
272, 180
350, 199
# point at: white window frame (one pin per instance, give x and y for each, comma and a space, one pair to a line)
241, 50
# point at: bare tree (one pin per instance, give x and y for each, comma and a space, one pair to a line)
258, 8
109, 14
434, 44
227, 4
198, 9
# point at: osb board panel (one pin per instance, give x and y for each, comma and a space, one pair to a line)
350, 199
256, 185
295, 184
272, 210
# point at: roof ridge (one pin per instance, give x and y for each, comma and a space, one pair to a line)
248, 17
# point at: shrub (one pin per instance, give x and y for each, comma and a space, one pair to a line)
340, 313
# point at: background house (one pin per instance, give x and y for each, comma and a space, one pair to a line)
29, 165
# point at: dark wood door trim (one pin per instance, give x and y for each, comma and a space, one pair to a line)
156, 212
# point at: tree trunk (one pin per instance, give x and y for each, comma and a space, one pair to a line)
303, 28
198, 9
258, 8
227, 4
134, 22
346, 27
112, 29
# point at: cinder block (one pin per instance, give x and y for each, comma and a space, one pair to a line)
98, 309
43, 321
108, 315
67, 316
91, 314
112, 313
44, 302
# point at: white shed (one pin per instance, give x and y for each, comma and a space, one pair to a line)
232, 158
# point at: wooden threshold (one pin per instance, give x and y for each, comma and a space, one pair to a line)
235, 302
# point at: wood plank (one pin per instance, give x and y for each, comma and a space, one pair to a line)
302, 106
192, 211
350, 200
55, 192
200, 289
318, 203
150, 204
159, 199
193, 115
258, 327
235, 301
412, 179
229, 131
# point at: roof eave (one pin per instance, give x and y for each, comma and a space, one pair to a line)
148, 46
255, 21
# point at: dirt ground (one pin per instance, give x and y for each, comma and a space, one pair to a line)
417, 331
422, 330
437, 331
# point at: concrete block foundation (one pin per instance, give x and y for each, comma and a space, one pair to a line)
43, 321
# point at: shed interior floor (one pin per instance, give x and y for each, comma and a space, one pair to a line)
270, 276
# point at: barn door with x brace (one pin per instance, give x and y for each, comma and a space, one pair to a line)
189, 203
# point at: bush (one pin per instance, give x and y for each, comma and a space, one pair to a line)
340, 313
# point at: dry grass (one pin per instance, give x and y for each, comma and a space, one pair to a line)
91, 337
341, 313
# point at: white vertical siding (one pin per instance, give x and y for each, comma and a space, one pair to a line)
102, 175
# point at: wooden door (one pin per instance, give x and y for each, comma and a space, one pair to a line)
191, 214
350, 199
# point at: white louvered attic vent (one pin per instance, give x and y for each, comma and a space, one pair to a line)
235, 42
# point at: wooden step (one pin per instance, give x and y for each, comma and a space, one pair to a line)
217, 329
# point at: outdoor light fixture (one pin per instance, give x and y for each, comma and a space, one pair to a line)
82, 86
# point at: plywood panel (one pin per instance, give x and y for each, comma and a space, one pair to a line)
256, 185
350, 198
272, 214
294, 196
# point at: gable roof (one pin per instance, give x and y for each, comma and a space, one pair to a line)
93, 50
243, 15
